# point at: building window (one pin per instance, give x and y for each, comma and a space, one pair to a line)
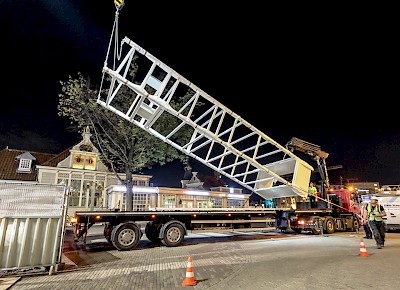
77, 161
90, 162
140, 202
187, 201
24, 165
63, 175
75, 197
98, 201
168, 201
25, 162
63, 181
216, 202
92, 191
86, 147
236, 203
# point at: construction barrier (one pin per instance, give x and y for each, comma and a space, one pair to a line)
32, 226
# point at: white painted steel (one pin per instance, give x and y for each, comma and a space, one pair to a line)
32, 225
220, 138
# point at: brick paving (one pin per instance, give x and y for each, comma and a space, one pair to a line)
260, 262
155, 268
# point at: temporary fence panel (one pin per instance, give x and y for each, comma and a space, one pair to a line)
32, 225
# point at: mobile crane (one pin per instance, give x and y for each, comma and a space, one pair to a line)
334, 209
296, 144
220, 139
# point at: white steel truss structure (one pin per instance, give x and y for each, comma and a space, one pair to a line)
154, 97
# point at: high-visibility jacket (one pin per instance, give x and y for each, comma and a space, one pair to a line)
312, 190
377, 210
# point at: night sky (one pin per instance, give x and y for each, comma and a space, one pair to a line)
327, 78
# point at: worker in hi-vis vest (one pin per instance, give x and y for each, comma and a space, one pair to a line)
374, 213
312, 194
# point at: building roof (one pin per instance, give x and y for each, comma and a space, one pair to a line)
57, 158
193, 179
9, 163
210, 181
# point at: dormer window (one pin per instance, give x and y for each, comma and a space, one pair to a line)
25, 162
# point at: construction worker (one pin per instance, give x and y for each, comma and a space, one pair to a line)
312, 192
374, 214
367, 228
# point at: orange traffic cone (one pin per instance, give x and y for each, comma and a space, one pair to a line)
363, 249
189, 280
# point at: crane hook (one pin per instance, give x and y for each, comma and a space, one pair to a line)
119, 4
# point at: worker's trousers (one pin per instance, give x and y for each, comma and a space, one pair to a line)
378, 229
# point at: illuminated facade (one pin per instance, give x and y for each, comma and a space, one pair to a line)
86, 176
149, 198
92, 186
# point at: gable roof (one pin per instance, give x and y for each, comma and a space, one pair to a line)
9, 164
57, 158
26, 155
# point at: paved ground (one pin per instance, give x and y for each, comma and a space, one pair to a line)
7, 282
269, 261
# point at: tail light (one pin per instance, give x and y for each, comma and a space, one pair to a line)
73, 220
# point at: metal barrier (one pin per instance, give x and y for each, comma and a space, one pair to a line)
32, 225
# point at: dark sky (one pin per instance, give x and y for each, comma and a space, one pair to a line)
327, 76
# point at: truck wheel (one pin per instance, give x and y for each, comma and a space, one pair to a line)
329, 225
126, 236
152, 232
173, 235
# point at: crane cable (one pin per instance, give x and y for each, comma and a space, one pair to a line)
329, 202
117, 52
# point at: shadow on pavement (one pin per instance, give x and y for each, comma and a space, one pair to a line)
97, 252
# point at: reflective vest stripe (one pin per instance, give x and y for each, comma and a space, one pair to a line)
376, 210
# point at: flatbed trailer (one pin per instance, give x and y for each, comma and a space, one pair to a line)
169, 226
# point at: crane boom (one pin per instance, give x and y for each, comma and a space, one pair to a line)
316, 153
220, 138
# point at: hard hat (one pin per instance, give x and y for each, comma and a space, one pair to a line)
374, 197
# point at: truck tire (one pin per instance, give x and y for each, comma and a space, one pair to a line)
126, 236
173, 234
152, 232
329, 225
